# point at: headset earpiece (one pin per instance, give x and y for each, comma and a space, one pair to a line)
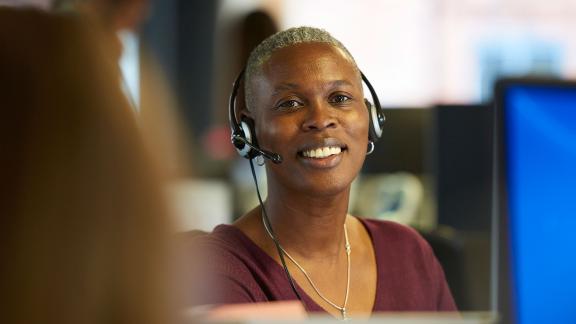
243, 138
375, 128
248, 133
376, 115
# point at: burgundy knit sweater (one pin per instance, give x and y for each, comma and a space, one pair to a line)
409, 276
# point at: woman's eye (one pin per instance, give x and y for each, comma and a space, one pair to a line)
289, 104
340, 98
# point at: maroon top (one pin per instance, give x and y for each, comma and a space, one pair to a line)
409, 276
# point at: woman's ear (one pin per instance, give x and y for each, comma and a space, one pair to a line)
241, 109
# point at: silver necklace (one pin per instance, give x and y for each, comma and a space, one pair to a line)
342, 309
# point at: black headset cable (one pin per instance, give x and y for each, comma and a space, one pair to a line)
276, 243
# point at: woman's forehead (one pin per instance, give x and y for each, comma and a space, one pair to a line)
302, 59
304, 52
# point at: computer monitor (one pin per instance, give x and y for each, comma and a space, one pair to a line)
535, 202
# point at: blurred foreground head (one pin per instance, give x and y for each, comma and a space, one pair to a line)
116, 14
84, 229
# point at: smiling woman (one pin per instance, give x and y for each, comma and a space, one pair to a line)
305, 102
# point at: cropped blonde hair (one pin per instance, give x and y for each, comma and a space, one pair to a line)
285, 38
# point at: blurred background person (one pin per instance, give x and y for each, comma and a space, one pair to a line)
85, 230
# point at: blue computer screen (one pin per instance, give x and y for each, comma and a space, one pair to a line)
540, 129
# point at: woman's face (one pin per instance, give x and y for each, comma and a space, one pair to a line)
309, 108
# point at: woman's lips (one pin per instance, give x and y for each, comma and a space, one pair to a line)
322, 152
325, 153
321, 148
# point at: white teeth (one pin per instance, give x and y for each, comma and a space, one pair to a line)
322, 152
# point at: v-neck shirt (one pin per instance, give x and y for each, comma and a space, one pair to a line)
409, 277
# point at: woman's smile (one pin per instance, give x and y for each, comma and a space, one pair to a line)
323, 161
326, 153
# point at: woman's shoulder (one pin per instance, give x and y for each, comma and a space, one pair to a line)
228, 248
231, 267
389, 229
224, 240
392, 235
410, 267
222, 234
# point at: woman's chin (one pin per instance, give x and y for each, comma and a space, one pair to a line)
324, 186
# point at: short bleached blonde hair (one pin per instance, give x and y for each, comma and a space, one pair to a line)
297, 35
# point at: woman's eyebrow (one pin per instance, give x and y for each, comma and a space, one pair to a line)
338, 83
292, 86
284, 87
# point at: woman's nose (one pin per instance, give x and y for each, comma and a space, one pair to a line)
319, 116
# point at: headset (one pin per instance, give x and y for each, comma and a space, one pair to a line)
244, 136
244, 140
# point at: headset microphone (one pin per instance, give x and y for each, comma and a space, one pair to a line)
274, 157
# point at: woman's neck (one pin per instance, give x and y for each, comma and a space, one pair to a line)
308, 226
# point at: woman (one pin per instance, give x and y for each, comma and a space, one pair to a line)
305, 99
